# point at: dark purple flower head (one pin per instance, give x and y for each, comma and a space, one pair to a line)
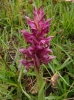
39, 50
39, 26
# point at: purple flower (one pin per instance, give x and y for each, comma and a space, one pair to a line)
39, 50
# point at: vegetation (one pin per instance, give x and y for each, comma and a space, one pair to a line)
16, 83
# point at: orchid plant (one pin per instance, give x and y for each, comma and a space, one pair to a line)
38, 51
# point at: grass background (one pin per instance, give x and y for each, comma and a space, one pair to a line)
62, 28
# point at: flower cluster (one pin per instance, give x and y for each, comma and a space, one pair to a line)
38, 51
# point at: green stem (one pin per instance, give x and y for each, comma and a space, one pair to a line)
41, 84
41, 92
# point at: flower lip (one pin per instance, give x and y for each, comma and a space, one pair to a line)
26, 63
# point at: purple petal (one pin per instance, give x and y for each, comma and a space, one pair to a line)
29, 52
49, 38
52, 57
46, 59
46, 24
22, 51
28, 36
39, 12
30, 23
45, 51
26, 63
